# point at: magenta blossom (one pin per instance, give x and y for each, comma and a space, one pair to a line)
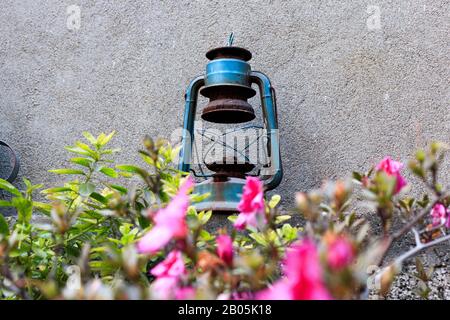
392, 168
225, 248
170, 222
340, 253
244, 295
303, 279
164, 288
168, 274
440, 215
168, 288
251, 206
185, 293
172, 266
280, 290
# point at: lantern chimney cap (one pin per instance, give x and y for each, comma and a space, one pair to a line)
229, 52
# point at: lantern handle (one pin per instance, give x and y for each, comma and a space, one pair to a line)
188, 122
269, 108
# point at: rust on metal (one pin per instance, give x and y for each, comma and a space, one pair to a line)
229, 53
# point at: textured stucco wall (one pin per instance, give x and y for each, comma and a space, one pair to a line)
349, 91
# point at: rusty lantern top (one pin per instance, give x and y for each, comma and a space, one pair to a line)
228, 86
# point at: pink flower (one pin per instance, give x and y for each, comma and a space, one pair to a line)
340, 253
245, 219
303, 279
167, 288
251, 206
168, 274
170, 222
225, 248
243, 295
280, 290
440, 215
172, 266
392, 168
164, 288
304, 271
237, 295
186, 293
252, 197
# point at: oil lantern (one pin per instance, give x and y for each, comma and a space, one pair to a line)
227, 84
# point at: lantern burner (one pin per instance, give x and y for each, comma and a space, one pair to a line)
229, 168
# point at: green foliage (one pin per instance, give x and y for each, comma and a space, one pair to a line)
90, 224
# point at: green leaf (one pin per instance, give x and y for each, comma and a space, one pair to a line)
144, 155
30, 187
86, 148
274, 201
78, 150
205, 235
109, 172
143, 222
259, 238
200, 197
99, 197
42, 206
121, 189
86, 189
357, 176
4, 229
424, 202
27, 183
94, 214
125, 174
5, 185
103, 139
85, 162
421, 273
437, 146
282, 218
289, 232
90, 137
350, 218
133, 169
204, 216
56, 190
417, 169
24, 209
4, 203
420, 156
67, 171
110, 151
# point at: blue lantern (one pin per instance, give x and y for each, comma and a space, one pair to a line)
228, 85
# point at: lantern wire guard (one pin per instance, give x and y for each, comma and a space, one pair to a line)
221, 139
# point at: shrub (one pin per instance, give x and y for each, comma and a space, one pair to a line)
102, 240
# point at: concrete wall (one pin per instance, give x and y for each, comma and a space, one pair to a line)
350, 89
